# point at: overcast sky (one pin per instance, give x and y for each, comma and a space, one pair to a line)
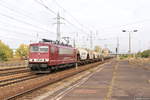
22, 20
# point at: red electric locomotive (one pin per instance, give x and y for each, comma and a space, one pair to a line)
47, 55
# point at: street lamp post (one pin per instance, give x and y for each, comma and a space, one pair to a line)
129, 42
129, 38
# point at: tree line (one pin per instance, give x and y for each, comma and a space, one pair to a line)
144, 54
22, 51
6, 53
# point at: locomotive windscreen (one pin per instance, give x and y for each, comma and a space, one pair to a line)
39, 49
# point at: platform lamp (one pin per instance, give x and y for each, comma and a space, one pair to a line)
130, 38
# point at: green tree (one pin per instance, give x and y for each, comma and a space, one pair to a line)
145, 54
5, 52
22, 51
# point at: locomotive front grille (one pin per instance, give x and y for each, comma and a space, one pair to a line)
36, 67
43, 65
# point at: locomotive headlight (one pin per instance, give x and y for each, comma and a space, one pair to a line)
30, 60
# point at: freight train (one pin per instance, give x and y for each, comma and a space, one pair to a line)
48, 55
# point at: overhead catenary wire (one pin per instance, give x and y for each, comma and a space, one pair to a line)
26, 29
73, 18
123, 25
75, 26
18, 20
3, 4
70, 15
12, 37
46, 7
21, 21
13, 31
25, 16
21, 33
42, 4
19, 27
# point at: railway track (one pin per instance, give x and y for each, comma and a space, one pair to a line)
6, 69
14, 75
29, 83
11, 71
15, 80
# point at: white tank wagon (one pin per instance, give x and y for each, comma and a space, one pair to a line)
90, 54
82, 54
96, 55
99, 55
105, 52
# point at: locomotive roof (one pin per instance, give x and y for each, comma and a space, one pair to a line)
52, 44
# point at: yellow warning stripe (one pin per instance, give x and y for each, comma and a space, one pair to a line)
110, 87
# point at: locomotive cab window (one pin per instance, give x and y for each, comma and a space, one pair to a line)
39, 49
43, 48
34, 49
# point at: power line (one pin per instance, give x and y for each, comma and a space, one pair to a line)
12, 37
70, 14
18, 20
74, 25
56, 14
21, 33
13, 31
46, 7
18, 27
141, 21
26, 29
14, 11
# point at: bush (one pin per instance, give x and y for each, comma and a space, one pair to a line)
22, 51
145, 54
5, 52
3, 57
123, 56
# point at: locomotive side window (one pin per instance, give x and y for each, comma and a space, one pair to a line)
52, 50
39, 49
65, 51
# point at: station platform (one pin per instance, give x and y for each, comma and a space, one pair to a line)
113, 81
94, 87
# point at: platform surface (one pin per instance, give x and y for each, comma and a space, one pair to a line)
115, 81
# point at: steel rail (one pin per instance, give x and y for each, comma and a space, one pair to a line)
51, 81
